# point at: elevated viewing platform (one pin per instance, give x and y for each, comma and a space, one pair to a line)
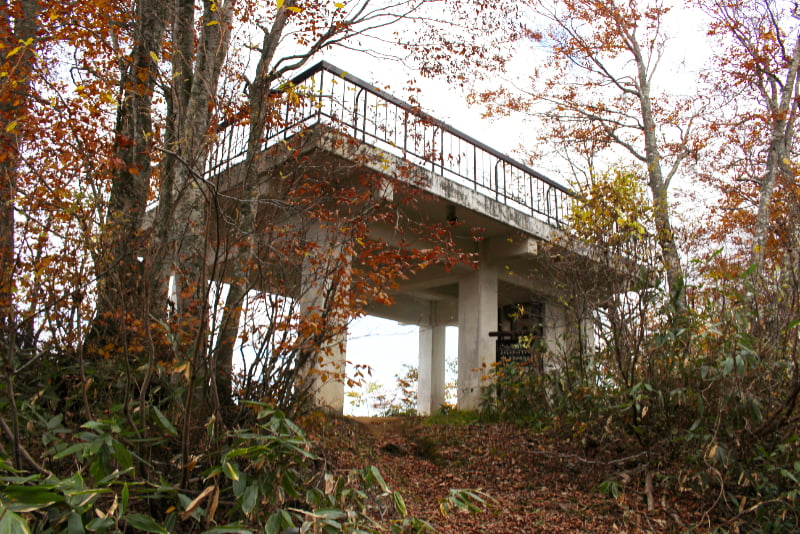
346, 127
333, 97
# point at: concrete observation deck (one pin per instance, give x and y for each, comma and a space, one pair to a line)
352, 126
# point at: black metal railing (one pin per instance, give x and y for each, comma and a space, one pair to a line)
326, 94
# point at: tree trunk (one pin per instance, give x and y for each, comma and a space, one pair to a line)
18, 27
247, 211
184, 208
183, 35
778, 153
183, 214
226, 342
659, 188
118, 269
14, 102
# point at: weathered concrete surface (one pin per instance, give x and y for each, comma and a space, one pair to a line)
431, 369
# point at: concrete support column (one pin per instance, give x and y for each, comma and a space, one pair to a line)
556, 335
326, 311
430, 392
329, 376
477, 316
587, 335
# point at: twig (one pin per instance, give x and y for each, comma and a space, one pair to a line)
753, 509
594, 462
23, 451
87, 409
648, 490
672, 513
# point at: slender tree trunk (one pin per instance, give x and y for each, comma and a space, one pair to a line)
119, 271
18, 28
14, 101
659, 188
666, 240
185, 219
781, 138
183, 35
226, 341
184, 208
247, 211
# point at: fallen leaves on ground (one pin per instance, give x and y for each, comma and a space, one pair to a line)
537, 481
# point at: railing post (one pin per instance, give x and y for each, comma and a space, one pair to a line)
364, 120
285, 126
533, 193
405, 132
475, 166
321, 92
441, 151
355, 112
497, 182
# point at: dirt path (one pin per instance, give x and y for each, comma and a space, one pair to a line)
538, 482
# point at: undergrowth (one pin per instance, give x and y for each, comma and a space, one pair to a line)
260, 478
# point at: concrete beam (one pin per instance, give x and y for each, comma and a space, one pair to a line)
405, 309
516, 245
408, 309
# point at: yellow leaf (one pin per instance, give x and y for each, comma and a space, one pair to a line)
212, 23
13, 51
213, 6
279, 3
339, 5
11, 126
154, 56
295, 9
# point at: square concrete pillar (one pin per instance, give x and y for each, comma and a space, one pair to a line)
587, 336
566, 333
328, 377
320, 271
477, 316
556, 334
430, 387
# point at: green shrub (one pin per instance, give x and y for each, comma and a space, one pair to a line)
266, 480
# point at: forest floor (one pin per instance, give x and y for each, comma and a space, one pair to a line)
538, 481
